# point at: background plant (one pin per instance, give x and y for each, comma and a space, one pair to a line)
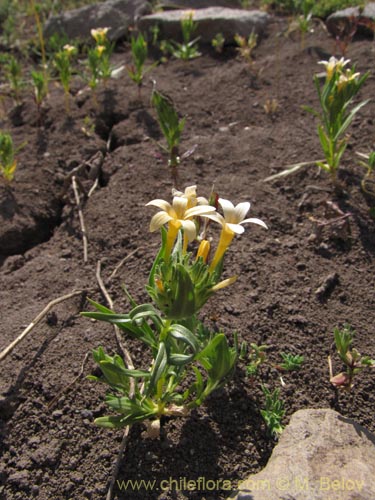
8, 163
171, 126
139, 54
40, 84
13, 71
63, 64
368, 181
354, 362
246, 46
339, 89
188, 49
273, 412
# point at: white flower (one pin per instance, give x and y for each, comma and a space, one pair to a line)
191, 194
334, 65
234, 216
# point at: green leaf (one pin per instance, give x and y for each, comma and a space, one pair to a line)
158, 368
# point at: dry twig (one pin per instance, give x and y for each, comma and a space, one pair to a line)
81, 219
40, 316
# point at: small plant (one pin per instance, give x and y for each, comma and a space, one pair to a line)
368, 181
246, 46
274, 411
171, 126
139, 55
98, 58
351, 358
188, 49
64, 67
256, 357
218, 43
8, 164
271, 106
13, 72
290, 362
188, 360
40, 83
338, 91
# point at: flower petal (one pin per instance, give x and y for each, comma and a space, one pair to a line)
189, 229
254, 220
158, 220
200, 210
227, 207
236, 228
179, 205
241, 211
164, 205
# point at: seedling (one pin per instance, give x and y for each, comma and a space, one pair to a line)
8, 163
139, 54
188, 49
246, 46
172, 128
98, 59
40, 83
218, 43
274, 411
271, 106
290, 362
351, 358
368, 181
256, 357
14, 74
188, 361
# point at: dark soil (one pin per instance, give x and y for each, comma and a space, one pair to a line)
50, 448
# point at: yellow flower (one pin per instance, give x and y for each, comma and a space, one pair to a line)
100, 49
69, 49
203, 250
99, 34
334, 65
191, 194
178, 215
344, 79
234, 217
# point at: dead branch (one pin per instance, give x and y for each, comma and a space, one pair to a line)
81, 219
40, 316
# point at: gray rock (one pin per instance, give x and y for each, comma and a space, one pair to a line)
199, 4
118, 15
320, 455
210, 22
348, 21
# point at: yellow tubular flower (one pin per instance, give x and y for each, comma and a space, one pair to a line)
223, 284
177, 216
99, 34
334, 65
203, 250
231, 223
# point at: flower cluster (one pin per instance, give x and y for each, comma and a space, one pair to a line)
181, 285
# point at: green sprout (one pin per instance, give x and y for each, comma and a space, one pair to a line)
172, 128
40, 83
352, 359
290, 362
257, 357
245, 46
63, 64
335, 116
188, 49
188, 361
274, 411
8, 164
13, 72
218, 43
368, 181
139, 54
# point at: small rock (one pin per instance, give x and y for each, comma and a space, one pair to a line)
327, 286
